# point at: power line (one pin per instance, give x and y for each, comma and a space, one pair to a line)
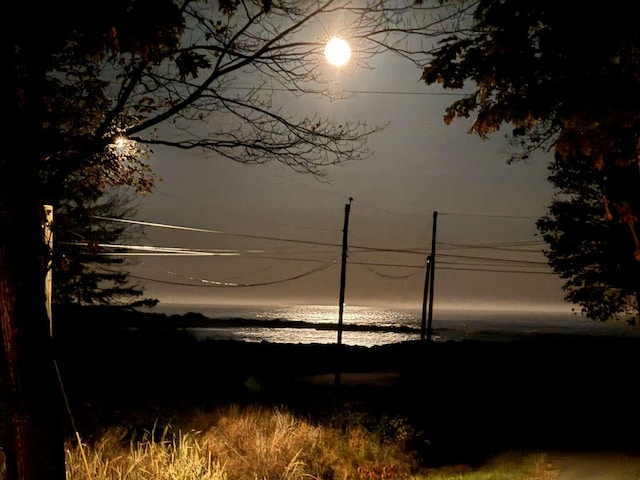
491, 215
419, 250
146, 250
216, 232
354, 248
257, 254
149, 250
215, 283
458, 266
506, 247
496, 270
219, 284
507, 260
351, 92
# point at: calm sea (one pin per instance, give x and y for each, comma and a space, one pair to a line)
369, 326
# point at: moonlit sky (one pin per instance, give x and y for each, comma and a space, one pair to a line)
284, 229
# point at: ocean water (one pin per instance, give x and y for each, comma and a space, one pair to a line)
370, 326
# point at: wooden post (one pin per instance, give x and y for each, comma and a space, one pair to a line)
432, 276
425, 295
48, 240
343, 276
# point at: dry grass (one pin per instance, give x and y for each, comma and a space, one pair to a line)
170, 457
259, 443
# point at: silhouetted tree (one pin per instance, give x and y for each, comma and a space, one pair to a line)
585, 247
90, 87
566, 79
86, 273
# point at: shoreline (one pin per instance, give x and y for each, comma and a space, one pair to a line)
470, 397
482, 328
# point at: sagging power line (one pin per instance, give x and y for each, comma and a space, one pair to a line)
473, 263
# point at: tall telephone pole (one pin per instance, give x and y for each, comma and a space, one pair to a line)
343, 276
425, 296
432, 271
343, 273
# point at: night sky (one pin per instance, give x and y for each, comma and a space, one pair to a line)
284, 229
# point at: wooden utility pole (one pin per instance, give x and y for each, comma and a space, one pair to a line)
343, 273
343, 276
432, 271
425, 295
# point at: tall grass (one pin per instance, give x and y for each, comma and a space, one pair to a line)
240, 443
262, 443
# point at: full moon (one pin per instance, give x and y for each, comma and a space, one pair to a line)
337, 51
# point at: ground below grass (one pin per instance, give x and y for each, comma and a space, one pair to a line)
468, 399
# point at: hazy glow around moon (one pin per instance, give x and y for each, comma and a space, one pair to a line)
337, 51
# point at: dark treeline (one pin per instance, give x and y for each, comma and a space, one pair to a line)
102, 316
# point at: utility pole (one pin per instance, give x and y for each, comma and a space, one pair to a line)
343, 276
425, 295
432, 271
343, 273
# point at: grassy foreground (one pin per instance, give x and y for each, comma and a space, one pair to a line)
248, 443
153, 403
253, 442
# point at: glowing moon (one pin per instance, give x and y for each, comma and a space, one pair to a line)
337, 51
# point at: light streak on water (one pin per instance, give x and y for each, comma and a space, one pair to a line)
318, 324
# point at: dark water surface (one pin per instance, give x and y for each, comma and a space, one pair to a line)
369, 326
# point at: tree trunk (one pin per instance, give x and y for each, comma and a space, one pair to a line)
638, 306
34, 434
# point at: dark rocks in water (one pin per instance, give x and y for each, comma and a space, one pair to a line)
118, 317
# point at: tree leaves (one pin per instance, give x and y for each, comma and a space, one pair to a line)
566, 80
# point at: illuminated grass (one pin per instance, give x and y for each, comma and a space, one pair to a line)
260, 443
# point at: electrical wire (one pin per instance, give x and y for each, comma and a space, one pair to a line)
495, 270
366, 92
489, 215
162, 251
417, 269
489, 264
217, 232
494, 259
214, 283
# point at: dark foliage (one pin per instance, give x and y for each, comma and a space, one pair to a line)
593, 253
86, 267
565, 79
